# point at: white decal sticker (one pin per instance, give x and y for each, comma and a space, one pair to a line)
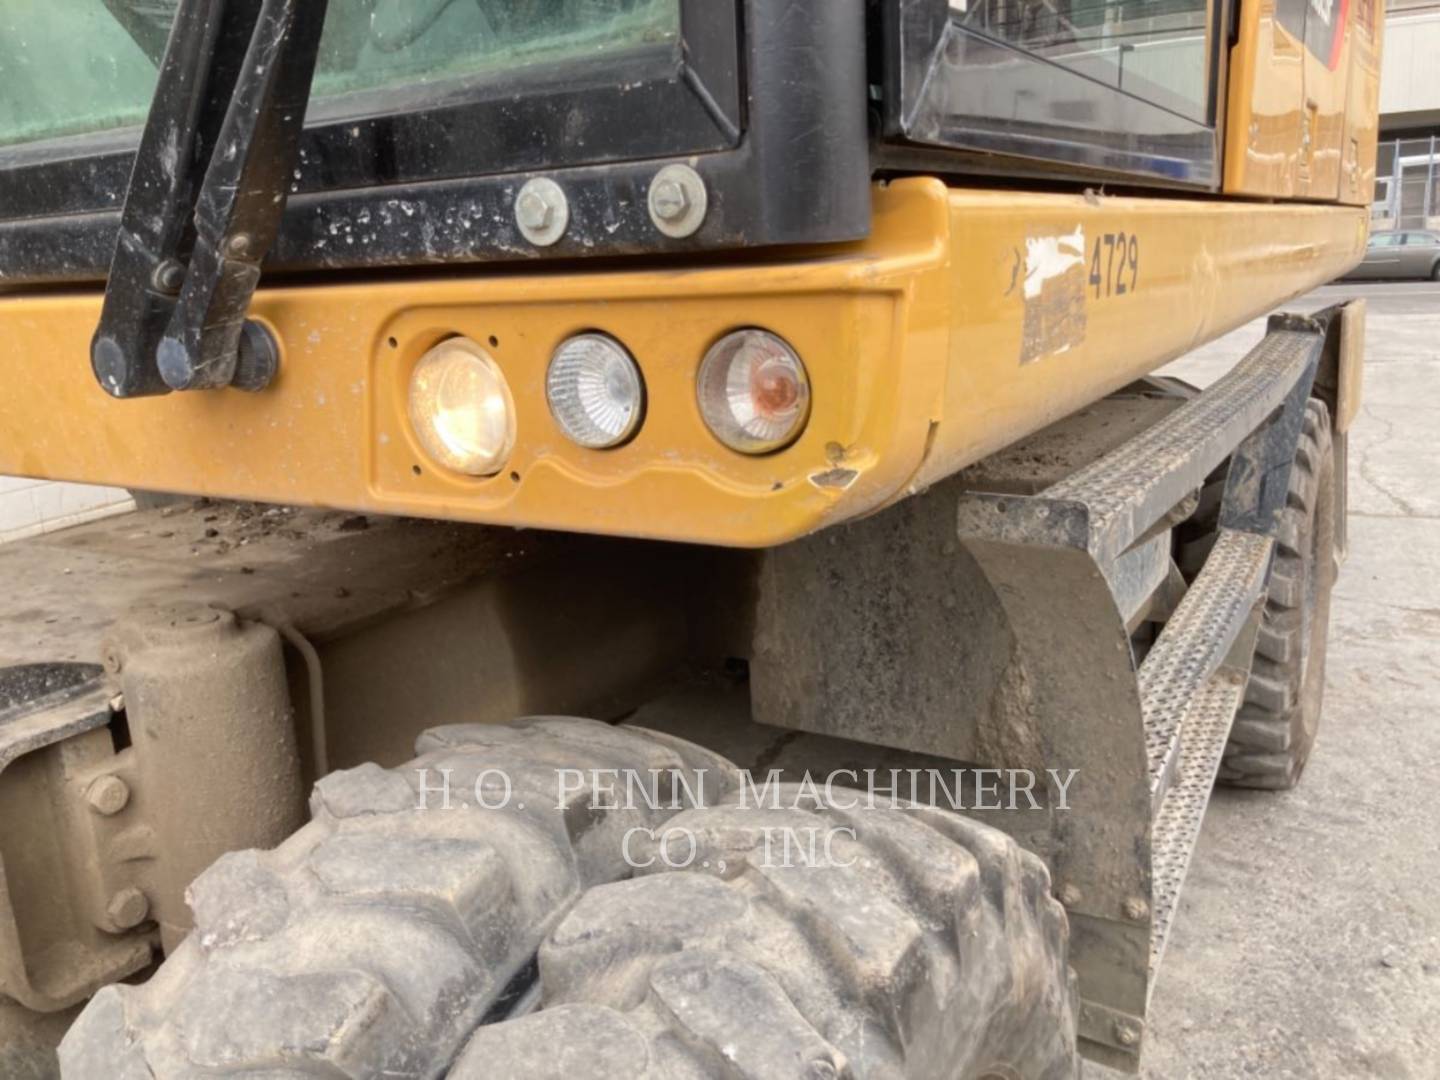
1048, 257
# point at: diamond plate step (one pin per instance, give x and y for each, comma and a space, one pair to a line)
1194, 644
1130, 488
1177, 825
1107, 505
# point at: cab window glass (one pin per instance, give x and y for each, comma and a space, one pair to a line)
1155, 49
71, 67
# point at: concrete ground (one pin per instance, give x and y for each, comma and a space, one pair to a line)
1308, 940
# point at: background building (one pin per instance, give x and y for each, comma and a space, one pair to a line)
1407, 185
30, 507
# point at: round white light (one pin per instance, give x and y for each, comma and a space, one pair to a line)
595, 391
461, 409
754, 393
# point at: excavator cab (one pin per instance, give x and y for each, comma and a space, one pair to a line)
772, 381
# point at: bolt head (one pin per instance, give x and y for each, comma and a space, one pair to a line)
533, 211
542, 211
111, 660
1126, 1034
127, 909
108, 795
678, 201
1069, 895
670, 200
238, 245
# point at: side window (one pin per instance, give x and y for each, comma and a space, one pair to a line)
1154, 49
1419, 239
1386, 239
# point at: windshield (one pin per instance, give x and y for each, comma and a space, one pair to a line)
70, 67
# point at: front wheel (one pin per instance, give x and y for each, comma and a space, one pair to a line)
812, 943
917, 944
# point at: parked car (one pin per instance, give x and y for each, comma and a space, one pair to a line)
1395, 254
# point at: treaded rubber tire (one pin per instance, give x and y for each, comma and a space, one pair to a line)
938, 952
373, 941
1275, 728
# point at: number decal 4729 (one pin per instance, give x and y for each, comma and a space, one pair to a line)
1115, 264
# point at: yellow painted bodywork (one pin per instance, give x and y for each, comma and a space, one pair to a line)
1296, 128
924, 352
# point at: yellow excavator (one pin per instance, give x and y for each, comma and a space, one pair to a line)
769, 383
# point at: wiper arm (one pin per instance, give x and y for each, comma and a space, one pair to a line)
208, 188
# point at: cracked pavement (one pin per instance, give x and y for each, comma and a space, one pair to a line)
1308, 939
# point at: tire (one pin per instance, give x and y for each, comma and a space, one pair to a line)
1275, 728
378, 937
925, 946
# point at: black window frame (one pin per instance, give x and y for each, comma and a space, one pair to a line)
765, 98
915, 34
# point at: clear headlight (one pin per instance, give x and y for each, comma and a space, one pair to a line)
753, 391
461, 409
595, 391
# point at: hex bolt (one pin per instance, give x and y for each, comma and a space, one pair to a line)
542, 211
678, 201
127, 909
108, 795
111, 661
238, 245
532, 211
1126, 1034
1069, 895
669, 200
1136, 909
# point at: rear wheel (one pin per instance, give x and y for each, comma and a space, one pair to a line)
1276, 727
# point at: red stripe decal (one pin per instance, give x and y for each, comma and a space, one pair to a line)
1338, 41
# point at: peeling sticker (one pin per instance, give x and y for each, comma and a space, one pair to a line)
1054, 292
